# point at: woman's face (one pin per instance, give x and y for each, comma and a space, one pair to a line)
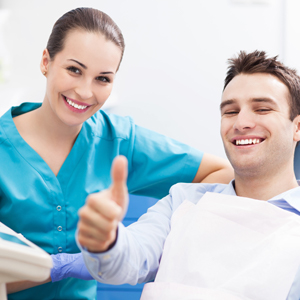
80, 77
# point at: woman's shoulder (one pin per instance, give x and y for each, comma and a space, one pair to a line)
110, 126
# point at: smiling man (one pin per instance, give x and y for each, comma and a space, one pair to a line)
216, 241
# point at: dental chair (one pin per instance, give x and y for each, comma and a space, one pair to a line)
297, 162
20, 260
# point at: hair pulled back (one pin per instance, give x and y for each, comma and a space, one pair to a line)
88, 19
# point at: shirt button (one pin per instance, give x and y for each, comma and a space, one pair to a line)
91, 259
58, 207
100, 273
59, 249
59, 228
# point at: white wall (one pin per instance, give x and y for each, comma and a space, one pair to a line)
292, 36
174, 65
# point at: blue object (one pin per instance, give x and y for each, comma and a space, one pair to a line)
138, 205
43, 207
297, 162
67, 265
12, 238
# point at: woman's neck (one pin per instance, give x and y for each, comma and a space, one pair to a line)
45, 133
48, 124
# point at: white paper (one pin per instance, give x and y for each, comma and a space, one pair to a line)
245, 248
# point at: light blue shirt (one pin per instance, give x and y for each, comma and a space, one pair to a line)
136, 255
43, 207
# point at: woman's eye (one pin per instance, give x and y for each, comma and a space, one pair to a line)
103, 79
74, 70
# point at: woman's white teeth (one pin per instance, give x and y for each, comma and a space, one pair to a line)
247, 142
75, 105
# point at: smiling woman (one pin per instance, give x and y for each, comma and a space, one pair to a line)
65, 147
80, 77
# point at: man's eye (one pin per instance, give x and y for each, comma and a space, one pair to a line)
103, 79
74, 70
232, 112
263, 110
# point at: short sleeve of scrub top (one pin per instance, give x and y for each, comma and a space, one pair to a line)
43, 207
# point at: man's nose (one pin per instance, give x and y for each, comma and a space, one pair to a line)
244, 121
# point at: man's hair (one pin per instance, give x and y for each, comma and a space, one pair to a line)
258, 62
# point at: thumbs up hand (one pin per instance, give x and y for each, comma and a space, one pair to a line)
99, 217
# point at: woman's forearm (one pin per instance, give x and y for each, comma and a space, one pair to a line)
214, 169
18, 286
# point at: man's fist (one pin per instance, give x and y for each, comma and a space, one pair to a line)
99, 217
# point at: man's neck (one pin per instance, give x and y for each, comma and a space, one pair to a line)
264, 188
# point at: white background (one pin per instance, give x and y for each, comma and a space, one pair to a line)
174, 65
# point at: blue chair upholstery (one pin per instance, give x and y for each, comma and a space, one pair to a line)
297, 162
138, 205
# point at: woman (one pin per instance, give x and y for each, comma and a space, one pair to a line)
56, 153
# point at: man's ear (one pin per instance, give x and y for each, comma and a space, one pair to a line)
45, 62
297, 128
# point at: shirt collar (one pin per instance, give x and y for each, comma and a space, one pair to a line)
229, 189
292, 197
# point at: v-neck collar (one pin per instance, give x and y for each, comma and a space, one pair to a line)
32, 157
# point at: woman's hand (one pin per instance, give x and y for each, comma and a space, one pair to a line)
100, 216
67, 265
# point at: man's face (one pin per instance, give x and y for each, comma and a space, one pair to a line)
257, 133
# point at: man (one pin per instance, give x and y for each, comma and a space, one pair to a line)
206, 242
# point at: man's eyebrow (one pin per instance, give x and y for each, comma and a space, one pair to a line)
266, 100
258, 100
85, 67
226, 102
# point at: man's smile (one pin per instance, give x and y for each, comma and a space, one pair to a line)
247, 141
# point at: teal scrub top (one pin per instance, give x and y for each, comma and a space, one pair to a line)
43, 207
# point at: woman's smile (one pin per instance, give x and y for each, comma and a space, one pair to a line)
75, 106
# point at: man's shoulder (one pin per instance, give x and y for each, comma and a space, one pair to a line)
194, 191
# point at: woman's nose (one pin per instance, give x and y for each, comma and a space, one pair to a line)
84, 90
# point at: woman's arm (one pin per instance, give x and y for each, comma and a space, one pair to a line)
214, 169
18, 286
65, 265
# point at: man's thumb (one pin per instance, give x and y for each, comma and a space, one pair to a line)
119, 171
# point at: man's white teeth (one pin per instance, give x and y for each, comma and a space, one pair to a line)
75, 105
247, 142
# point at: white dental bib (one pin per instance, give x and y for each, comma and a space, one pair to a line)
230, 248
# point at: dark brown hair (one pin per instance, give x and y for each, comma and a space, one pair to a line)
258, 62
88, 19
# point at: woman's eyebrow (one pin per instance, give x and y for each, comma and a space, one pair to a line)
106, 73
85, 67
81, 64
